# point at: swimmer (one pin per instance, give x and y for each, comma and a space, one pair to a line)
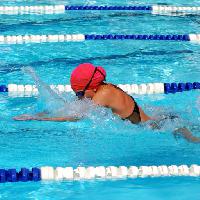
88, 81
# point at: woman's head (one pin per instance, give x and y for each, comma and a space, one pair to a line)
87, 77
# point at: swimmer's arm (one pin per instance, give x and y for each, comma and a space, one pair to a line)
39, 117
58, 119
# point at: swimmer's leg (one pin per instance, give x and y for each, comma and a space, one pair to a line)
156, 124
186, 134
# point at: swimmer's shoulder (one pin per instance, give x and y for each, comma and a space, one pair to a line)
103, 96
109, 87
111, 91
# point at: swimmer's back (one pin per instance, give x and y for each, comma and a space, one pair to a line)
119, 101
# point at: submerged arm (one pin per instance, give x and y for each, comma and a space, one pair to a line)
41, 117
58, 119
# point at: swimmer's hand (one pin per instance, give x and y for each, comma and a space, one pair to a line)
38, 118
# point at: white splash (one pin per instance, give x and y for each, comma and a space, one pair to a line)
55, 104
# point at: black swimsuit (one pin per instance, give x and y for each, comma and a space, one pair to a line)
135, 115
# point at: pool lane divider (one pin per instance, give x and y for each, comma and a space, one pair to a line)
58, 9
15, 90
100, 172
23, 39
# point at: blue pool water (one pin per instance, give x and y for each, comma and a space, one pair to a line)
101, 138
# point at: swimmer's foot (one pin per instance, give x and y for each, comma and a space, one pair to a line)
186, 134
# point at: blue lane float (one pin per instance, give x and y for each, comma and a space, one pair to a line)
3, 88
180, 87
142, 8
138, 37
24, 175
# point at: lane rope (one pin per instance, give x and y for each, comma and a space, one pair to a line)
21, 90
47, 173
24, 39
58, 9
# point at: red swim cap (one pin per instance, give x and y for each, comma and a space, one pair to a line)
82, 75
